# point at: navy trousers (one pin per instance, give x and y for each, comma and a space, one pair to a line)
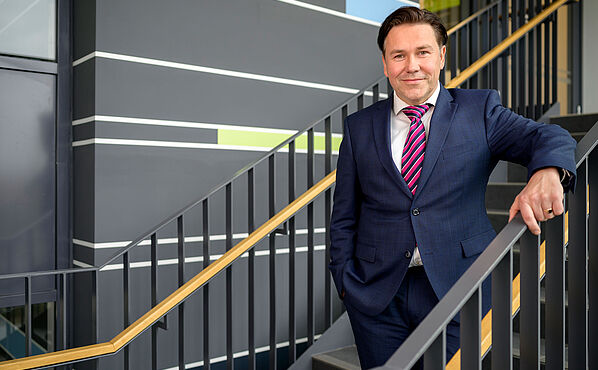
378, 337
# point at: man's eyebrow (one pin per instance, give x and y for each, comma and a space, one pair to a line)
422, 47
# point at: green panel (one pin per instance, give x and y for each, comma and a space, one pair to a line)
437, 5
270, 140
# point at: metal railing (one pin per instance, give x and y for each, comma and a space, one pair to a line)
537, 260
258, 183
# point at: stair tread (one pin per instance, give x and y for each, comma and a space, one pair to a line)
345, 358
517, 353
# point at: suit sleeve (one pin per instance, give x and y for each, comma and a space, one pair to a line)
521, 140
345, 213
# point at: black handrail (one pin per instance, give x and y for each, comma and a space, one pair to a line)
426, 339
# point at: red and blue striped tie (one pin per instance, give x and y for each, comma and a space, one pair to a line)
415, 145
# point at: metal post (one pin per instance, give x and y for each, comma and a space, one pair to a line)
28, 316
471, 317
229, 278
154, 282
555, 294
272, 259
292, 322
251, 270
126, 287
181, 273
206, 288
578, 267
310, 240
593, 257
529, 315
502, 319
360, 102
375, 93
327, 213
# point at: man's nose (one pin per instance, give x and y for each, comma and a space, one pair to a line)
412, 64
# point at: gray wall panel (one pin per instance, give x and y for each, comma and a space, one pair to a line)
142, 91
84, 24
259, 36
84, 193
84, 90
27, 160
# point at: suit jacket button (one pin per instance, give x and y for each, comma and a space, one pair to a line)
407, 254
415, 212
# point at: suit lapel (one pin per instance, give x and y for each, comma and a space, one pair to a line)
441, 122
381, 130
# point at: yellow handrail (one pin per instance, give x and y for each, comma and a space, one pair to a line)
153, 315
178, 295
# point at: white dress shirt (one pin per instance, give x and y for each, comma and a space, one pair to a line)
399, 128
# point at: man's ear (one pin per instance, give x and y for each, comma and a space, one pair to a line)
384, 64
442, 56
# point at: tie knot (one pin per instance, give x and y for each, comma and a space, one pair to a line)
416, 111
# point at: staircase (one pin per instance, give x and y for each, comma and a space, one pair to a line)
499, 197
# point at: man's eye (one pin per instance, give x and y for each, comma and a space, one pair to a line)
399, 56
424, 52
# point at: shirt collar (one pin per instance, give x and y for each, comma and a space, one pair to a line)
399, 104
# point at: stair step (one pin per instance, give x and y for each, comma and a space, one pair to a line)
578, 135
576, 122
500, 195
517, 353
345, 358
516, 172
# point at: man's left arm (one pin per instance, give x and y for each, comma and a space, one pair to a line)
548, 152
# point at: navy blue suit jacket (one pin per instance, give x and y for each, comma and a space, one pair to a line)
376, 220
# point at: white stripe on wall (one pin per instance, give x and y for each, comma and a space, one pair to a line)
213, 257
216, 71
188, 124
189, 239
186, 145
243, 353
219, 71
330, 12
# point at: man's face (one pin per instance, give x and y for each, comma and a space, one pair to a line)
412, 61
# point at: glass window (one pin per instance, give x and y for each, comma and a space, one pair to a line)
28, 28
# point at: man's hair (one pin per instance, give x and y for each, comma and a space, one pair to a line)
412, 15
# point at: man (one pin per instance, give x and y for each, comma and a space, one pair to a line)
409, 215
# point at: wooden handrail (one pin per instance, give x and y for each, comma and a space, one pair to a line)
503, 45
179, 295
182, 293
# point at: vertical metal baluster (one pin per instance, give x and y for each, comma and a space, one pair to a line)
154, 282
505, 91
463, 49
206, 288
251, 269
593, 257
529, 315
546, 100
515, 83
28, 316
493, 42
181, 263
538, 73
126, 287
345, 113
452, 55
229, 278
555, 294
272, 259
292, 322
474, 53
435, 355
532, 61
63, 322
327, 213
471, 332
95, 307
554, 59
484, 47
375, 93
522, 60
310, 240
360, 102
502, 319
578, 267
